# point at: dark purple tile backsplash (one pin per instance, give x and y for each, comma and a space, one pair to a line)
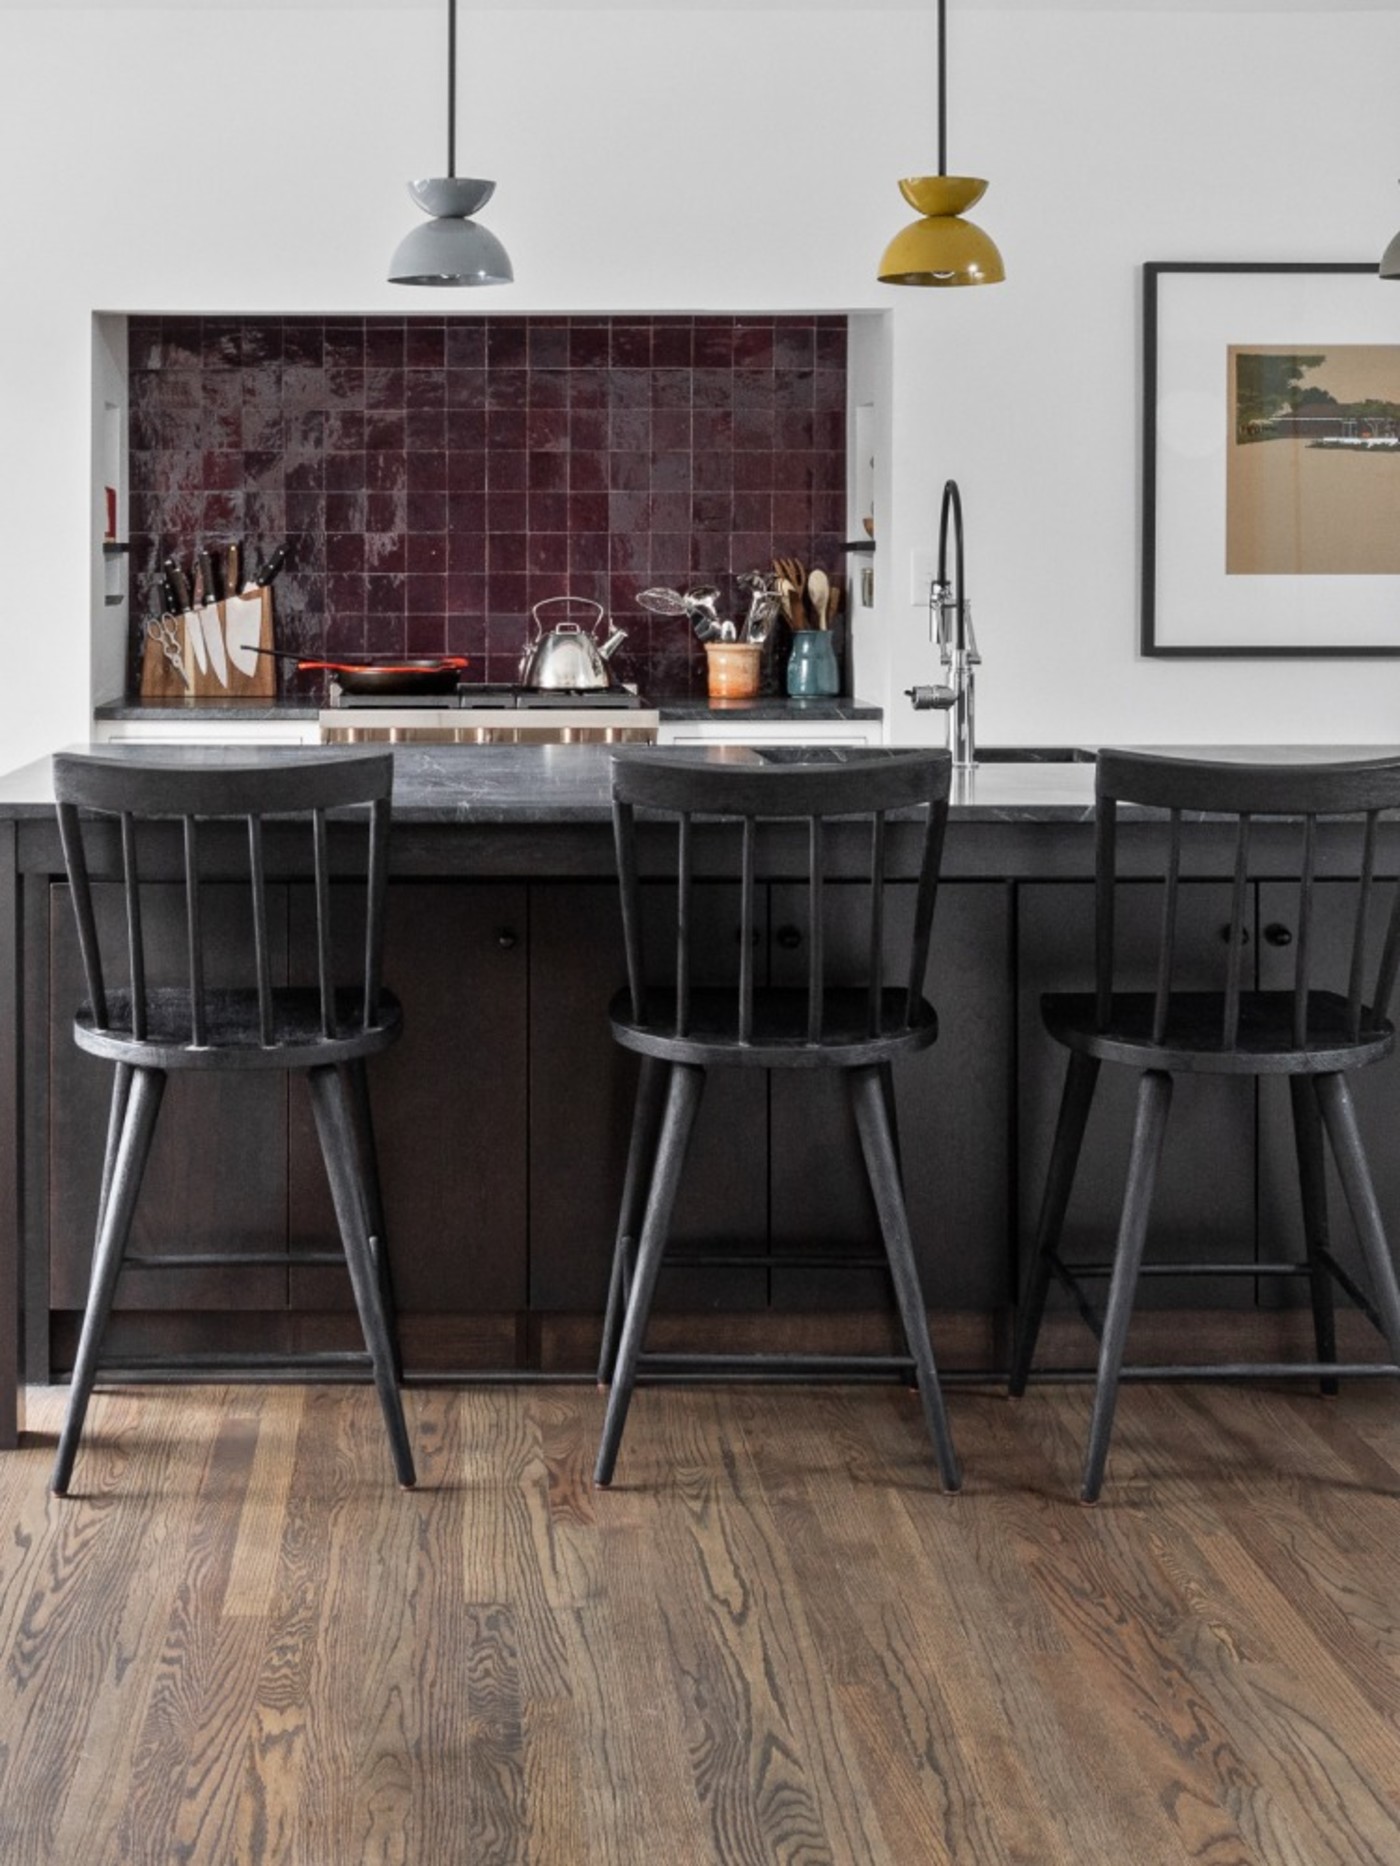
436, 477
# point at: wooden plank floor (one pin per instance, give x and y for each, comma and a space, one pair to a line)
774, 1641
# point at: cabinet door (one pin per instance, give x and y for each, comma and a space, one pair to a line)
952, 1103
581, 1089
1204, 1205
217, 1177
1375, 1091
448, 1101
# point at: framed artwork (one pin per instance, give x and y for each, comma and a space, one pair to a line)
1271, 460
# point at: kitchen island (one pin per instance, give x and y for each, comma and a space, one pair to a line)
502, 1116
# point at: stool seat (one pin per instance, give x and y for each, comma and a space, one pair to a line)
1192, 1042
233, 1037
781, 1037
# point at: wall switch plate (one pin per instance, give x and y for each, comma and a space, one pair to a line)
923, 567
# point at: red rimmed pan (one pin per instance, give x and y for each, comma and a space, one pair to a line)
384, 674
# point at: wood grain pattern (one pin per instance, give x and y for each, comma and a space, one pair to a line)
777, 1641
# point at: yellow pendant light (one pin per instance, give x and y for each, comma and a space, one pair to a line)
942, 248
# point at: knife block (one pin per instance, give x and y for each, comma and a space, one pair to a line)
160, 681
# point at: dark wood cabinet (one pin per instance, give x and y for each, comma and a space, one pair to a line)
502, 1119
1204, 1207
581, 1090
1375, 1091
952, 1104
217, 1178
449, 1103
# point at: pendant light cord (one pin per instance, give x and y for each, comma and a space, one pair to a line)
942, 86
452, 86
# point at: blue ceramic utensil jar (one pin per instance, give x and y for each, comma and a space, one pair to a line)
812, 672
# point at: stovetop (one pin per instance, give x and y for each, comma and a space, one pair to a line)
485, 696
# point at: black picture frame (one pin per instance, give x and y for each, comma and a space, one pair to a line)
1158, 276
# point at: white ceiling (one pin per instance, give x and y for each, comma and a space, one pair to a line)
709, 6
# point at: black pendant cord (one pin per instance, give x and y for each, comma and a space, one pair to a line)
452, 87
942, 86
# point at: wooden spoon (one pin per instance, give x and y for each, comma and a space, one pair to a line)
791, 599
819, 594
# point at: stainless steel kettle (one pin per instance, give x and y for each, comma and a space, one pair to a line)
568, 657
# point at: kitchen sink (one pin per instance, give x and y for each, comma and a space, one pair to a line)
1035, 755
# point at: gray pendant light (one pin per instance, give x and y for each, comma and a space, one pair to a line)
450, 248
1390, 260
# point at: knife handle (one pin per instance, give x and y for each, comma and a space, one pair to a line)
208, 576
274, 563
179, 585
232, 580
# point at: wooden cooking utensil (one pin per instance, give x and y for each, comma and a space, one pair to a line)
819, 594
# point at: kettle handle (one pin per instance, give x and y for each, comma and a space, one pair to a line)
587, 602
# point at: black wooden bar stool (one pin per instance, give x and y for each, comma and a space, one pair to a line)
147, 1031
1313, 1036
684, 1032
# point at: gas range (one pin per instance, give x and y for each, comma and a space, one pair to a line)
481, 713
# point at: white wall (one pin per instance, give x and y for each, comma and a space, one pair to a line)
657, 159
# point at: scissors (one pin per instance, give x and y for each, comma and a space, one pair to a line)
164, 632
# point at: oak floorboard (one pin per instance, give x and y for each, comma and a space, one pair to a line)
774, 1640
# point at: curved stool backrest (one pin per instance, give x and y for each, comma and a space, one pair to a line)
843, 788
131, 791
1192, 788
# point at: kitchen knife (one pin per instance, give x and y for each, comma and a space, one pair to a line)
212, 625
209, 572
269, 570
242, 631
179, 585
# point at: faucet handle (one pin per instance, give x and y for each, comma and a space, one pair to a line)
970, 634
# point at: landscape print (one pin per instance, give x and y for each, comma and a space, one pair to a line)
1313, 461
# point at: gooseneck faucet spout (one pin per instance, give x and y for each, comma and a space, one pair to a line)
950, 623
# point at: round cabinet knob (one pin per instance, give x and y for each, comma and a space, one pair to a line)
1278, 935
506, 938
789, 938
1225, 936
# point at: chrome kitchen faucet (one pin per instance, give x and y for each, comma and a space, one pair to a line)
950, 622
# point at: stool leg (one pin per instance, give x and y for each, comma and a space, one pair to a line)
1334, 1098
1149, 1131
367, 1159
1312, 1182
1075, 1103
868, 1101
139, 1095
336, 1133
646, 1116
683, 1094
892, 1115
116, 1119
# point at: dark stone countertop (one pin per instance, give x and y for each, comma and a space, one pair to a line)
542, 784
256, 712
557, 784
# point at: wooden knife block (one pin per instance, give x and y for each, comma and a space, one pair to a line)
160, 681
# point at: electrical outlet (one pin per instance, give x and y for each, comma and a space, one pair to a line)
923, 566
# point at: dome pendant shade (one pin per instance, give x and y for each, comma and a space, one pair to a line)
942, 248
450, 249
1390, 260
